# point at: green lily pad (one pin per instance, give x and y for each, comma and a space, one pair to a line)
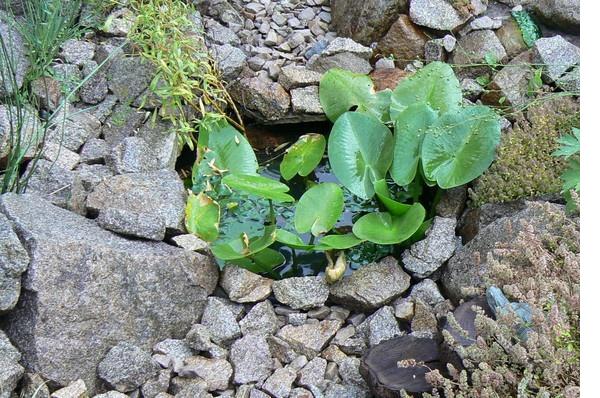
385, 229
244, 246
303, 157
319, 209
202, 215
338, 242
291, 240
259, 186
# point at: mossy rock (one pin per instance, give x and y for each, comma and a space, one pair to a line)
524, 166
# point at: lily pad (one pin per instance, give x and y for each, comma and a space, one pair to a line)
319, 209
244, 246
385, 229
292, 240
303, 157
360, 152
383, 194
202, 215
260, 186
338, 242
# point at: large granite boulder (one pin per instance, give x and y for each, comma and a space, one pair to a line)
13, 262
87, 289
563, 14
470, 270
16, 50
365, 21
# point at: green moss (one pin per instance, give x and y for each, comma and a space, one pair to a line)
525, 167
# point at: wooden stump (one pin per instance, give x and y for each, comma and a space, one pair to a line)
379, 366
465, 317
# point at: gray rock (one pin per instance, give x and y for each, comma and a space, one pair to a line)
306, 100
215, 372
199, 338
293, 76
453, 200
243, 286
570, 81
349, 341
50, 181
254, 393
313, 374
512, 83
60, 156
69, 76
116, 394
90, 175
342, 53
261, 319
184, 387
29, 128
434, 51
94, 90
298, 363
76, 389
557, 55
380, 326
263, 98
301, 293
220, 321
469, 271
301, 393
309, 339
121, 123
349, 372
365, 21
251, 359
563, 14
363, 289
485, 22
346, 391
77, 52
33, 386
404, 309
175, 349
126, 367
161, 138
279, 384
474, 48
319, 313
281, 350
157, 385
428, 292
385, 63
160, 193
190, 242
424, 322
230, 60
47, 92
297, 319
74, 129
132, 155
436, 14
16, 49
128, 77
10, 369
429, 254
219, 34
88, 314
13, 262
93, 151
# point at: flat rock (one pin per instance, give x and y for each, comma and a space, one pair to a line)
429, 254
293, 76
512, 83
310, 339
301, 293
243, 286
10, 369
404, 40
100, 275
126, 367
262, 97
279, 384
436, 14
76, 389
342, 53
74, 129
13, 262
365, 21
473, 48
77, 52
427, 291
220, 321
251, 359
15, 45
124, 222
261, 319
313, 373
365, 289
160, 193
128, 77
306, 100
230, 60
215, 372
557, 55
563, 14
380, 326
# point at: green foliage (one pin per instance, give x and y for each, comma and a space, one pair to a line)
436, 142
202, 216
45, 25
360, 152
319, 209
529, 29
524, 165
303, 156
258, 185
341, 90
435, 85
569, 150
460, 146
385, 229
186, 75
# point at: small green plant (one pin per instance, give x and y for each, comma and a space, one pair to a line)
436, 141
569, 150
45, 25
529, 29
186, 75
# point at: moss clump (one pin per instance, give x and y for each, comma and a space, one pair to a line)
525, 167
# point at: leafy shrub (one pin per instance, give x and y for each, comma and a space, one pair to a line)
436, 142
569, 150
165, 33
